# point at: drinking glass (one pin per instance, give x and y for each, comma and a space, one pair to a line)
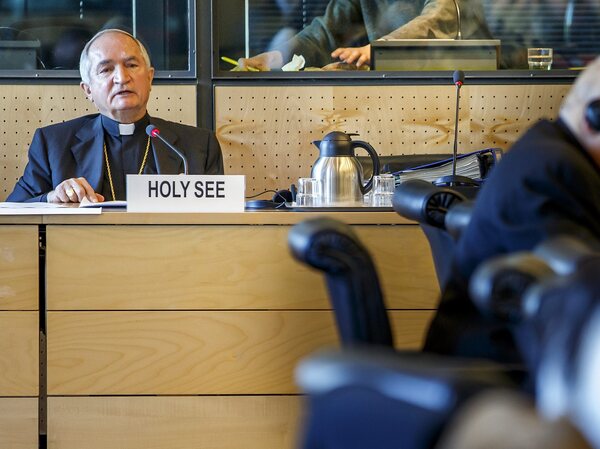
383, 190
309, 192
539, 58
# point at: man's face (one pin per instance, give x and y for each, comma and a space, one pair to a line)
120, 81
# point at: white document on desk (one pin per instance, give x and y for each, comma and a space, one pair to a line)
45, 209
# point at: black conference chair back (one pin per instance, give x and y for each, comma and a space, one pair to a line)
354, 290
537, 292
500, 286
437, 210
365, 398
567, 356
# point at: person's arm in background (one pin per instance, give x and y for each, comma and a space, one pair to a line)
342, 20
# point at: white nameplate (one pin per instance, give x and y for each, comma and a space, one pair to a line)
185, 193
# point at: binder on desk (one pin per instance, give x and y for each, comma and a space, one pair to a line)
475, 165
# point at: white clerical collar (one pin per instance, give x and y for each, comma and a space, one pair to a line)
126, 129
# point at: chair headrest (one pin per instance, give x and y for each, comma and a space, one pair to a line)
310, 237
424, 202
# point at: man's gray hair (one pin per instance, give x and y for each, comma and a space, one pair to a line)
84, 61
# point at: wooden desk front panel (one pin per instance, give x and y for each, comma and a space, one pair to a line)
206, 422
217, 267
193, 352
19, 268
211, 319
19, 423
19, 353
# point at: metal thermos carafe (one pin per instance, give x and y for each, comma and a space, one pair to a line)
340, 171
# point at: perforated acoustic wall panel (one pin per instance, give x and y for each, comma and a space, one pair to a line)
266, 131
24, 108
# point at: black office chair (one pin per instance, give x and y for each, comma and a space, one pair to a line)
561, 318
514, 288
442, 213
354, 290
424, 389
365, 398
568, 362
499, 285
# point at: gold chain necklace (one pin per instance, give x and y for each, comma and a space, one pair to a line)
110, 180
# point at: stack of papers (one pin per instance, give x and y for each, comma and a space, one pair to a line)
45, 209
469, 165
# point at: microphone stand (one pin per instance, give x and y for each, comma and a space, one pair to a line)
455, 150
455, 180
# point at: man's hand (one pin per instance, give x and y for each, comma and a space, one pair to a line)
263, 62
357, 55
74, 190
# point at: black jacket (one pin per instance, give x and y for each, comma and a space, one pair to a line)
74, 149
546, 185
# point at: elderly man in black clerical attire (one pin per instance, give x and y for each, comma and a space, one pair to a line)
89, 157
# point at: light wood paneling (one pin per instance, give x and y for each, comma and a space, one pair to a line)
19, 354
29, 106
19, 268
217, 267
266, 132
259, 217
125, 353
18, 423
173, 422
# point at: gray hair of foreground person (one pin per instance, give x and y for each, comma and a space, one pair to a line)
585, 90
84, 61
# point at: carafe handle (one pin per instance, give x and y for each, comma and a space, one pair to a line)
374, 158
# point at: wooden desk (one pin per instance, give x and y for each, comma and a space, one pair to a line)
19, 335
181, 331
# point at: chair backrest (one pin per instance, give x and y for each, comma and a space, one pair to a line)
364, 398
353, 285
545, 296
429, 205
501, 288
568, 358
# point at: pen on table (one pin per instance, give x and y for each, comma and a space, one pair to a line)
235, 63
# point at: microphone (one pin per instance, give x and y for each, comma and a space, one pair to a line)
453, 180
459, 78
458, 27
154, 132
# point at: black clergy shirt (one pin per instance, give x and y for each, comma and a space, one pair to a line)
125, 155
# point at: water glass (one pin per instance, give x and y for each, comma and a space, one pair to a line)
309, 192
383, 190
539, 58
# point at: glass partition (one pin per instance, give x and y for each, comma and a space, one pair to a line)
405, 34
45, 37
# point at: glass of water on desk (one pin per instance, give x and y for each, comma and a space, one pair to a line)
309, 192
539, 58
383, 190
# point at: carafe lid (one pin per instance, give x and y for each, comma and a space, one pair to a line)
339, 136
